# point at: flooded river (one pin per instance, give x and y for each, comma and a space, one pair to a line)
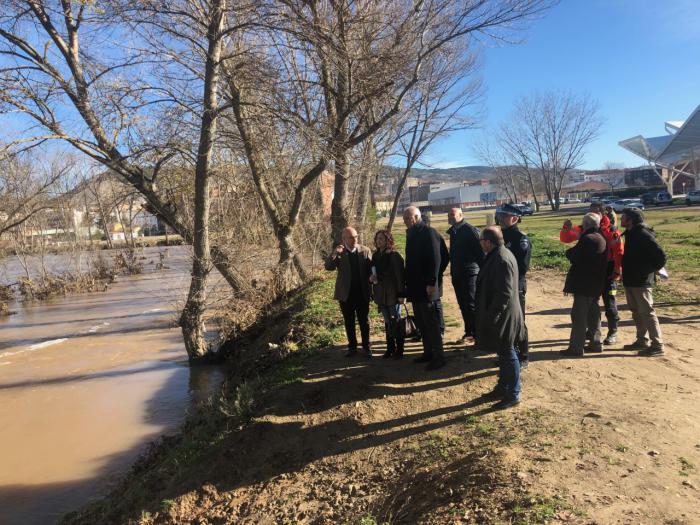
86, 381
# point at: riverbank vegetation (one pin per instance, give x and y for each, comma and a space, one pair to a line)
263, 140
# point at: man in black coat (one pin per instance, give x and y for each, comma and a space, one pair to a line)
499, 318
586, 280
423, 263
465, 259
643, 257
519, 244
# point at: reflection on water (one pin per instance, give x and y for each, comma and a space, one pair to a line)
85, 382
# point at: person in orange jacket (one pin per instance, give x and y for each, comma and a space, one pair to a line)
569, 233
615, 247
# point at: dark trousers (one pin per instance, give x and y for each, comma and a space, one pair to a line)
465, 290
427, 315
610, 300
523, 346
441, 315
352, 308
585, 317
509, 374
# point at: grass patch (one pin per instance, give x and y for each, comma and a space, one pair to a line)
686, 466
540, 509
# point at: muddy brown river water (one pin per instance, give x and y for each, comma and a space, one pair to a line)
86, 381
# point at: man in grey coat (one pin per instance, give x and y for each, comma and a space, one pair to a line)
499, 318
353, 262
585, 281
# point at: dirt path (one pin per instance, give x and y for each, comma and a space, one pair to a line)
610, 438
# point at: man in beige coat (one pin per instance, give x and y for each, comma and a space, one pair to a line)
353, 262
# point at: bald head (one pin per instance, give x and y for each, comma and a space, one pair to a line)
411, 216
455, 215
349, 236
491, 238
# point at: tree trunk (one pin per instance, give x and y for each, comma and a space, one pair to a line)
290, 271
192, 317
399, 191
339, 205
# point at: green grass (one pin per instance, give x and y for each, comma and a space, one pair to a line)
677, 229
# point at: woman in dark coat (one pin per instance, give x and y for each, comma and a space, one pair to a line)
388, 280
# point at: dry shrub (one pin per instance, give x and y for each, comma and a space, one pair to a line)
102, 269
51, 285
6, 293
129, 262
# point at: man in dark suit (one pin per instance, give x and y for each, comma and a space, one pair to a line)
353, 262
465, 258
499, 318
508, 217
423, 264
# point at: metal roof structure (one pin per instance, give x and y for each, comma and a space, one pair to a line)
675, 154
673, 151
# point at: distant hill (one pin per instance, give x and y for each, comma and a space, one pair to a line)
443, 174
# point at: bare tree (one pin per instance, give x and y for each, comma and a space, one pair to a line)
368, 58
276, 131
546, 137
27, 187
72, 83
513, 180
614, 174
437, 108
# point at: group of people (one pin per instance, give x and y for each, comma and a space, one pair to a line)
488, 271
489, 276
601, 257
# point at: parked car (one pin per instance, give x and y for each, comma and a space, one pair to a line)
693, 197
571, 200
524, 209
657, 198
621, 204
663, 198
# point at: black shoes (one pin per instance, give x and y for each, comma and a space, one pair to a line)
352, 352
506, 403
422, 359
570, 352
651, 351
493, 394
593, 348
639, 344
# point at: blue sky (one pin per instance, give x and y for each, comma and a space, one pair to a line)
638, 58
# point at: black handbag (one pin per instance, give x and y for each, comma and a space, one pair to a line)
407, 325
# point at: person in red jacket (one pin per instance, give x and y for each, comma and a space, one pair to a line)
615, 250
569, 233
